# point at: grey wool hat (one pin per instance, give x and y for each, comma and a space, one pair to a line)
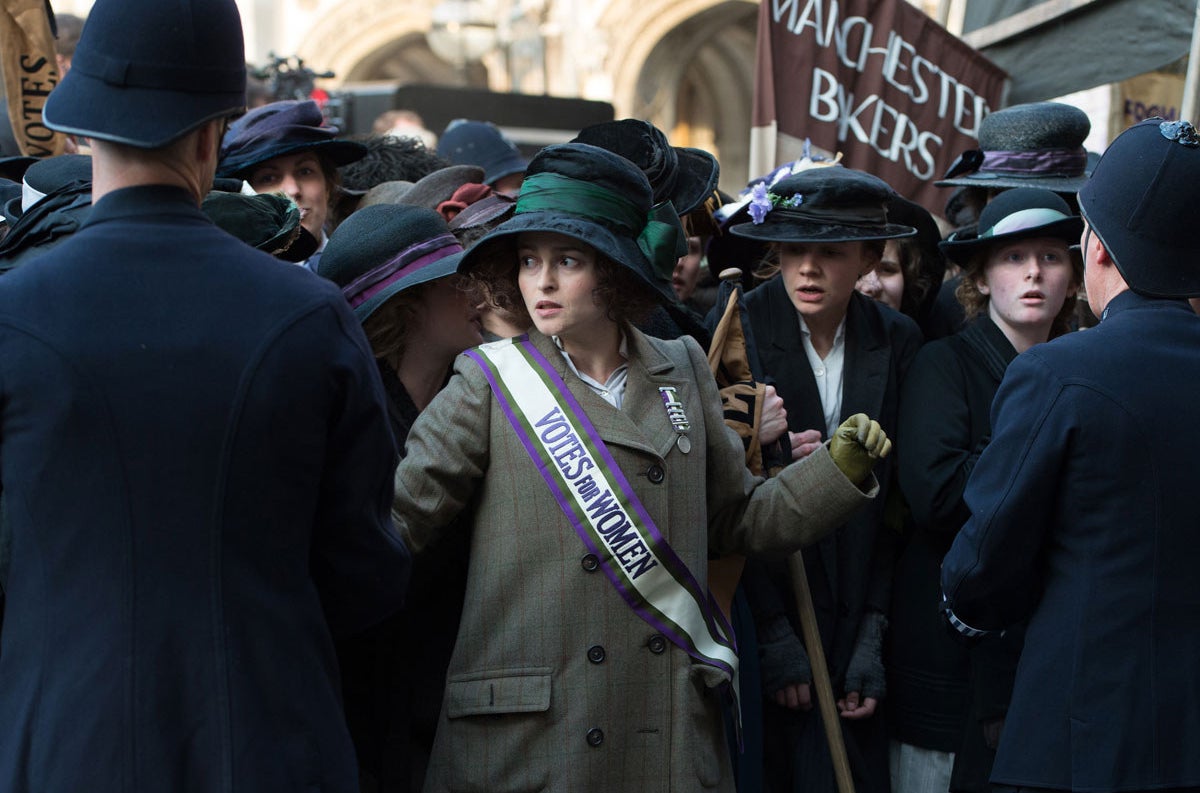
1033, 145
381, 250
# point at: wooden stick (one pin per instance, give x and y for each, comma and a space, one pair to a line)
820, 673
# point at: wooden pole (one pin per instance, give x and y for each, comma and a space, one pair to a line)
1191, 84
820, 673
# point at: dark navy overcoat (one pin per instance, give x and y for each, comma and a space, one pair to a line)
197, 469
1084, 515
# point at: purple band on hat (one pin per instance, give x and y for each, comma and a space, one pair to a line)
408, 261
1043, 162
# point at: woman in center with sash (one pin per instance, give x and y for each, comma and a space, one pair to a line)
599, 479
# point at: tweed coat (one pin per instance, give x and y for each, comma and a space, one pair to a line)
1083, 517
197, 469
556, 683
849, 571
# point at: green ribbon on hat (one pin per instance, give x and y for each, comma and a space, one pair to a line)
662, 240
659, 234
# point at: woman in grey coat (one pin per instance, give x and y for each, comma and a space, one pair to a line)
593, 461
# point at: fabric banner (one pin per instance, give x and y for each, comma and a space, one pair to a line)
30, 72
877, 80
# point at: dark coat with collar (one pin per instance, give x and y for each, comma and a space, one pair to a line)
849, 571
939, 690
1083, 517
548, 652
197, 471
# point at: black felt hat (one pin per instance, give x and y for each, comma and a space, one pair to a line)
685, 177
1033, 145
46, 177
287, 127
1015, 214
481, 143
14, 168
1141, 203
383, 249
146, 72
822, 205
269, 222
599, 198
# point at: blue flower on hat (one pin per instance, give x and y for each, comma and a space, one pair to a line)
1181, 132
763, 201
760, 202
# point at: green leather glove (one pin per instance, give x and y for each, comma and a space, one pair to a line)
856, 445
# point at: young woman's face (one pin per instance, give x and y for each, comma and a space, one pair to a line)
1027, 282
452, 319
557, 278
886, 282
820, 276
300, 178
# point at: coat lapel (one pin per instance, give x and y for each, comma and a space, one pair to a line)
788, 362
868, 357
636, 425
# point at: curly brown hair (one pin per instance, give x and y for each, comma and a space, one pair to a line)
388, 327
975, 302
627, 299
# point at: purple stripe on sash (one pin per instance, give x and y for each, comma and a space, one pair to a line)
618, 475
566, 506
407, 262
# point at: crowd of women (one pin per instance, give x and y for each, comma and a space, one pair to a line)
572, 485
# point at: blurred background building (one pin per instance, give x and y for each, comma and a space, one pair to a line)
685, 65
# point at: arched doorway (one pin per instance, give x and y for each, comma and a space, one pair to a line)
409, 59
696, 79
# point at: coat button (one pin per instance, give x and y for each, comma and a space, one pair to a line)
595, 736
655, 474
596, 654
590, 562
657, 644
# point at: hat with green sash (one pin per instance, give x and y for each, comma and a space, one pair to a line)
599, 198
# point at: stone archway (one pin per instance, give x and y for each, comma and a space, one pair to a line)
688, 67
371, 40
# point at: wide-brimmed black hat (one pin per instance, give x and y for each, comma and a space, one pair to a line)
822, 205
384, 249
1141, 203
286, 127
599, 198
269, 222
1015, 214
47, 177
685, 177
147, 72
1033, 145
481, 143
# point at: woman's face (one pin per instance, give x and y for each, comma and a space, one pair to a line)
820, 276
557, 278
1026, 283
300, 178
450, 317
886, 282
